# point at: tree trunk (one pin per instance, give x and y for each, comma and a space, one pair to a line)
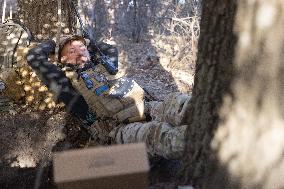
140, 20
235, 134
136, 28
41, 17
100, 9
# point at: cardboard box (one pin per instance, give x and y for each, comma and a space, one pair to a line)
113, 167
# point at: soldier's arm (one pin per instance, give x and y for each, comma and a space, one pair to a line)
109, 50
55, 79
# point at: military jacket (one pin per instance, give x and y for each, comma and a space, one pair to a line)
119, 98
109, 97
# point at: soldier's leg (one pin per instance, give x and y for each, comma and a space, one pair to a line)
171, 110
161, 138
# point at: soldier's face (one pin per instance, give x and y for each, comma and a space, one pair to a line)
75, 52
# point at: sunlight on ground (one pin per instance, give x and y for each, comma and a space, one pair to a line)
24, 161
184, 78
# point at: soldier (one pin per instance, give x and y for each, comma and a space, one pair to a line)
84, 79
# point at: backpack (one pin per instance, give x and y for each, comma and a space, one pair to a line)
12, 36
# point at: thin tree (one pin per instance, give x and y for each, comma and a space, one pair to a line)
4, 10
235, 137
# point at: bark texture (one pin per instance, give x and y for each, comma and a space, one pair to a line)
236, 133
41, 17
212, 80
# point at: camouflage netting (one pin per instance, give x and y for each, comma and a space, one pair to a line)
36, 93
12, 90
21, 83
12, 36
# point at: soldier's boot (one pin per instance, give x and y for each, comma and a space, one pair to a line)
161, 138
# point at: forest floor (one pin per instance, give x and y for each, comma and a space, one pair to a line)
28, 138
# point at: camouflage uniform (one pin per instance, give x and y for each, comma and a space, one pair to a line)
161, 138
165, 134
122, 102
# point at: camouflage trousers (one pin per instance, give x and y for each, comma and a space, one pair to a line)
164, 135
161, 138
